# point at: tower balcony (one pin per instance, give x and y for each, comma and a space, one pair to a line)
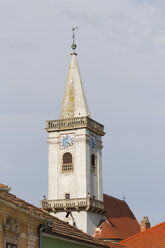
74, 123
78, 204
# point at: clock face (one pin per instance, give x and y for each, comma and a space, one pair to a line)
92, 142
67, 140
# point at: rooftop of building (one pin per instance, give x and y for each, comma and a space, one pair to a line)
120, 222
153, 237
3, 186
57, 227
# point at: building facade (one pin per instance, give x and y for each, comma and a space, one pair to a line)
18, 226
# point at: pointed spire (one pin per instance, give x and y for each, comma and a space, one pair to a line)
74, 101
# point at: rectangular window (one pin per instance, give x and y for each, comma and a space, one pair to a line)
8, 245
67, 196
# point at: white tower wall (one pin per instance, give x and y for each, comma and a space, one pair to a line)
81, 181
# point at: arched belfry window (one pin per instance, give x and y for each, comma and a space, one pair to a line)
67, 163
93, 163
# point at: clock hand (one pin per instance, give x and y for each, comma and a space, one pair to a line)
68, 144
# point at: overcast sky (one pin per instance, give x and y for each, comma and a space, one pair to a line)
121, 47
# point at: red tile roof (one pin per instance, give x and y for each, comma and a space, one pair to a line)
113, 245
4, 188
2, 185
58, 227
120, 223
151, 238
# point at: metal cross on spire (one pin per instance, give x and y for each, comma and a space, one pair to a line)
124, 197
73, 46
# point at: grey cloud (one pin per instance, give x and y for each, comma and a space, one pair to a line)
159, 40
7, 44
82, 16
136, 23
94, 20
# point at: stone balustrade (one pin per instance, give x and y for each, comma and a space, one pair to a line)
72, 123
88, 204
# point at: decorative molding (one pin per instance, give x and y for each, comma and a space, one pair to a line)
23, 235
30, 230
99, 144
11, 229
31, 241
82, 137
52, 142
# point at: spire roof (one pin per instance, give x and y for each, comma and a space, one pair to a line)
74, 101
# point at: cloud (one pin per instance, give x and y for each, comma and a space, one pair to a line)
6, 166
159, 40
125, 22
94, 20
80, 15
8, 44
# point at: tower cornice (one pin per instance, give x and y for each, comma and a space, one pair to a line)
74, 123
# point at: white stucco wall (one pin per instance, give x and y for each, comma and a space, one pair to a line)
81, 180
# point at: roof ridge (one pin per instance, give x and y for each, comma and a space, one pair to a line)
115, 198
142, 233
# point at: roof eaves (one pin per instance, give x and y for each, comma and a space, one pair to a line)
4, 188
75, 240
16, 203
142, 233
35, 215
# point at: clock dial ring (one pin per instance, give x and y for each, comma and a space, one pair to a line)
67, 141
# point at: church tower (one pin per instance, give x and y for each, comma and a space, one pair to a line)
75, 183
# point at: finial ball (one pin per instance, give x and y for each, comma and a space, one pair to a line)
73, 46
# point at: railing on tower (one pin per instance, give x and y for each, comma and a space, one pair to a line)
76, 203
77, 122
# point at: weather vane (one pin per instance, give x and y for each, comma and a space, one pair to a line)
73, 46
